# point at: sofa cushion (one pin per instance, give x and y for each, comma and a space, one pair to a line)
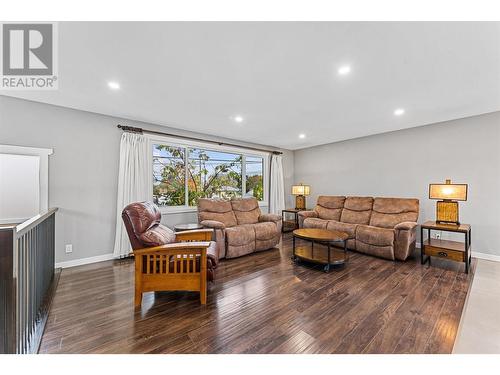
265, 230
240, 235
375, 236
375, 241
157, 236
357, 210
234, 251
350, 229
388, 212
217, 210
386, 252
246, 210
266, 244
329, 207
313, 222
331, 201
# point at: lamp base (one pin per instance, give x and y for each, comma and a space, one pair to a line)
447, 212
300, 202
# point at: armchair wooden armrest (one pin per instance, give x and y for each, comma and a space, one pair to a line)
173, 248
174, 266
194, 235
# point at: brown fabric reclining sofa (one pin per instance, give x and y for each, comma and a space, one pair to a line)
240, 227
384, 227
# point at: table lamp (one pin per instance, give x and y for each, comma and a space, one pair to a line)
447, 206
300, 191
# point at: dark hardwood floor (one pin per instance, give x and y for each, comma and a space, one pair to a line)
263, 303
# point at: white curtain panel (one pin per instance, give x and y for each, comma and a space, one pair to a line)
277, 191
134, 183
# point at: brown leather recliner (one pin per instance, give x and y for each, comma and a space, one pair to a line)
142, 221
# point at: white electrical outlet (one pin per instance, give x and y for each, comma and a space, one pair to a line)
69, 248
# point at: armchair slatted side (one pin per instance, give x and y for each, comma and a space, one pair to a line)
176, 266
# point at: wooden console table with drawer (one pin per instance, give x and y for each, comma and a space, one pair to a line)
291, 225
452, 250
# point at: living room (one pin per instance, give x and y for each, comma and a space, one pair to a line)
250, 187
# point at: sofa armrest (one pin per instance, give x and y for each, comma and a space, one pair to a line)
194, 235
306, 214
405, 225
302, 215
405, 238
214, 224
270, 217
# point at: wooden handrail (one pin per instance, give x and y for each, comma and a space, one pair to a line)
34, 221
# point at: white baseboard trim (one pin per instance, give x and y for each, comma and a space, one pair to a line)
494, 258
81, 262
477, 254
105, 257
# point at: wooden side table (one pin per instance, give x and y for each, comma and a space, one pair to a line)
183, 227
290, 225
452, 250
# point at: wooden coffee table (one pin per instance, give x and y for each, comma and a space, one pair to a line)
324, 237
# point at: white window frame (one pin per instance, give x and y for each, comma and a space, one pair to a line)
176, 142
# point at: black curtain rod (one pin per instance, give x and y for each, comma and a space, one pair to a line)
142, 131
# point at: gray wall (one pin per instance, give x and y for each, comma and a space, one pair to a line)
83, 171
403, 163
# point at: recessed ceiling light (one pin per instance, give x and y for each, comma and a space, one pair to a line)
238, 119
343, 70
114, 85
302, 136
399, 112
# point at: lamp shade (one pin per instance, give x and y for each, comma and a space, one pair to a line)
301, 190
448, 191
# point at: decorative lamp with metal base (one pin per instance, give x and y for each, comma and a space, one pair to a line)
300, 191
447, 206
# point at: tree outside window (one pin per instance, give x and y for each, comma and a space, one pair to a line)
213, 174
205, 174
168, 175
254, 182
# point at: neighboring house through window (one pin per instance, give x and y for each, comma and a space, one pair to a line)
184, 172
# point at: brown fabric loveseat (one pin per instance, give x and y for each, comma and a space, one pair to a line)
384, 227
240, 227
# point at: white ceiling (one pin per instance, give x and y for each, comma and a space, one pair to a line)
281, 77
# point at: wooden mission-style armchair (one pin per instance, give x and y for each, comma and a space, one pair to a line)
165, 260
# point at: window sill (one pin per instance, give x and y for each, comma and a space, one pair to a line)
180, 210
